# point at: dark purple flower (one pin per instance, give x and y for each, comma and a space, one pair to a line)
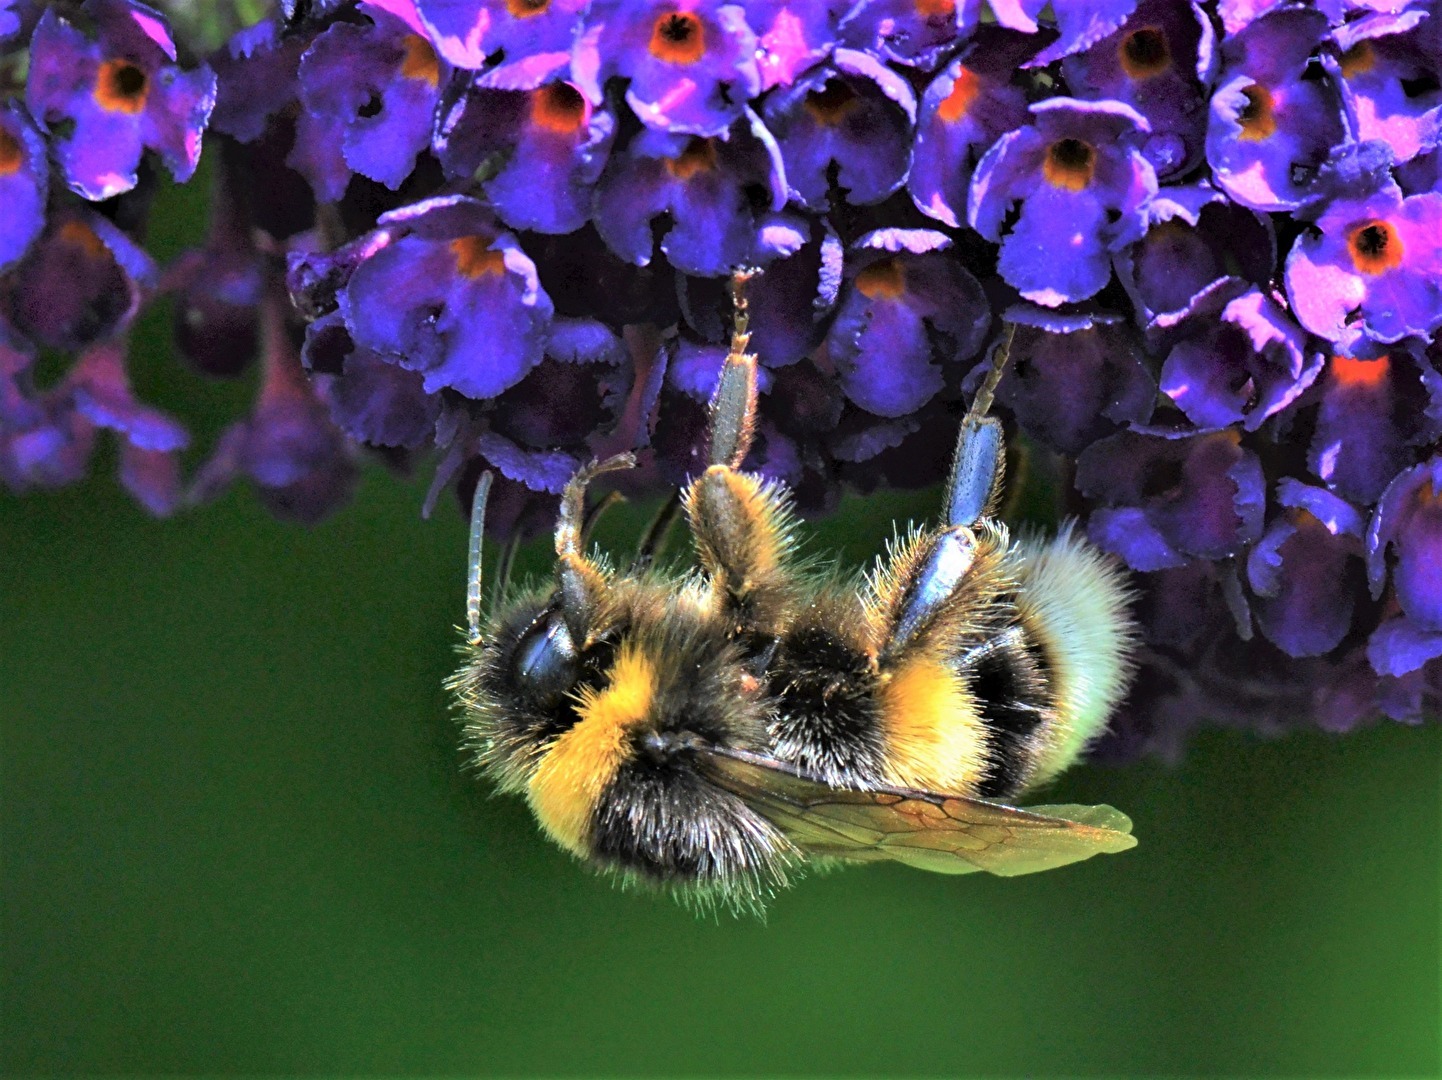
1078, 24
447, 293
300, 463
1271, 128
81, 281
1399, 647
1168, 495
1083, 186
791, 36
917, 33
905, 305
551, 144
1387, 72
1196, 238
372, 401
1074, 379
846, 124
529, 34
1372, 272
704, 188
789, 302
369, 92
966, 109
1372, 415
1158, 62
1422, 174
123, 93
691, 63
255, 77
1240, 360
218, 289
1408, 525
1306, 572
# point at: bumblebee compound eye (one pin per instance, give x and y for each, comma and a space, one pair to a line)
545, 662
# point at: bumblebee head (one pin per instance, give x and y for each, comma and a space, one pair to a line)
597, 703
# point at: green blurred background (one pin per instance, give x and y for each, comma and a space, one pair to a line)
236, 837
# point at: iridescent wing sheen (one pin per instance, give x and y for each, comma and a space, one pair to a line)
946, 834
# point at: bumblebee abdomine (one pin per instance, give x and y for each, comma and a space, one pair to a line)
715, 730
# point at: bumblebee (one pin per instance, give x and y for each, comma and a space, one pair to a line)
718, 730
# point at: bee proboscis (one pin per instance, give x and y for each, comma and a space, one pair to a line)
717, 728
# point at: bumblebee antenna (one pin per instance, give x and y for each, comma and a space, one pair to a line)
733, 405
981, 404
473, 569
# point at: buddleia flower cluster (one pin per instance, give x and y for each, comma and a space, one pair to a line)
496, 234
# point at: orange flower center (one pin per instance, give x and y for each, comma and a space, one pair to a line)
1374, 247
678, 37
932, 9
954, 106
698, 157
474, 257
1069, 164
1366, 373
831, 104
1144, 53
558, 107
12, 154
120, 86
884, 280
1358, 60
81, 235
1256, 116
420, 60
524, 9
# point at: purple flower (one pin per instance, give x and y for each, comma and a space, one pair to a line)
1306, 571
917, 33
1083, 186
1195, 240
1099, 361
1387, 73
47, 439
552, 145
372, 401
367, 93
1372, 415
1240, 360
529, 34
791, 36
1408, 525
301, 465
24, 180
703, 185
847, 123
1372, 272
1078, 23
122, 92
1271, 128
691, 63
441, 290
80, 282
1167, 495
905, 305
1400, 648
965, 110
1158, 63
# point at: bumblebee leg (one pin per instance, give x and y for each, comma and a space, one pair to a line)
741, 523
980, 462
582, 581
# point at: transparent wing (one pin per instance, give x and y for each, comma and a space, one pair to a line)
946, 834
